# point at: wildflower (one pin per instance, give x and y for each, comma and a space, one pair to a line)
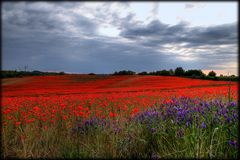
65, 117
80, 113
30, 120
112, 114
203, 125
36, 108
188, 123
232, 104
45, 128
135, 110
18, 123
233, 143
228, 119
80, 107
6, 111
153, 130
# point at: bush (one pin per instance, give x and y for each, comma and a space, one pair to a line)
124, 72
163, 73
212, 74
179, 71
143, 73
194, 73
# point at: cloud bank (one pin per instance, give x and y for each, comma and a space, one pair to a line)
107, 37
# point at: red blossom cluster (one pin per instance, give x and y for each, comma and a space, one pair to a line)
50, 99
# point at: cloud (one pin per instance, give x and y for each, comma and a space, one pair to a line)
155, 10
189, 5
202, 45
65, 36
194, 5
45, 18
158, 32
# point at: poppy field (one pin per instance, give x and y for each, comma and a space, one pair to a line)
99, 116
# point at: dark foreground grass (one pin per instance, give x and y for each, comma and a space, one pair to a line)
181, 128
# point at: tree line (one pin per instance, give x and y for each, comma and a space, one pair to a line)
180, 72
12, 74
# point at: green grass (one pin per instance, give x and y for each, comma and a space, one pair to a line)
133, 140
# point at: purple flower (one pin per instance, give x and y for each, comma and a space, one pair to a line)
154, 156
228, 119
233, 143
188, 123
235, 115
203, 125
117, 129
153, 130
225, 115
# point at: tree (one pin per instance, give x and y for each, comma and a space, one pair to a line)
143, 73
164, 73
124, 72
212, 74
194, 73
171, 72
179, 71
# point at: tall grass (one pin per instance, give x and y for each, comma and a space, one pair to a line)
182, 128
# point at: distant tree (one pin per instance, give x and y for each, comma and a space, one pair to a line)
61, 73
157, 73
35, 72
10, 74
143, 73
171, 72
124, 72
194, 73
152, 73
91, 74
212, 74
163, 73
234, 78
179, 71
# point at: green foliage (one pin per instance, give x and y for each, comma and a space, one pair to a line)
194, 73
212, 74
171, 72
124, 72
135, 140
179, 71
143, 73
163, 73
12, 74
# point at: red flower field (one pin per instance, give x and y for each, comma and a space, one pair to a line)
41, 97
41, 109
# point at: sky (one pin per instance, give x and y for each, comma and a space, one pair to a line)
103, 37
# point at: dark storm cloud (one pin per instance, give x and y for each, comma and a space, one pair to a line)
157, 32
104, 57
208, 39
30, 17
51, 36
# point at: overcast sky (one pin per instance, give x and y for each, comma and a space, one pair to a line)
103, 37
